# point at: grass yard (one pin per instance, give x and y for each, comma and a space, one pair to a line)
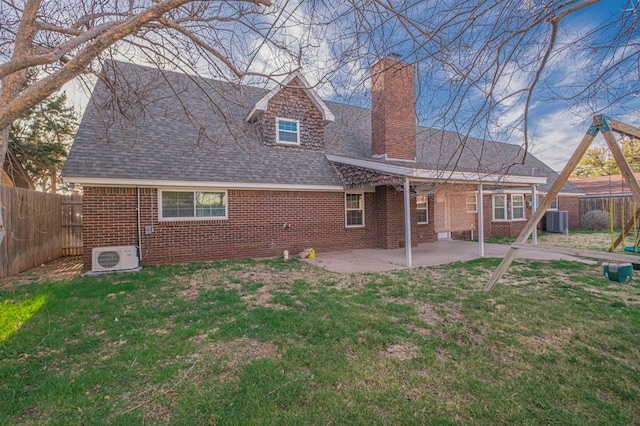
581, 239
274, 342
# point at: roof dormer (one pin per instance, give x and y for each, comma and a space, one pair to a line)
293, 80
291, 115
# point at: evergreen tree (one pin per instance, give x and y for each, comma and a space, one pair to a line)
42, 138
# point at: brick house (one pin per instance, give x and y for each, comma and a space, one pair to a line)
191, 169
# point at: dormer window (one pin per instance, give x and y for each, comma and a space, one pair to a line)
287, 131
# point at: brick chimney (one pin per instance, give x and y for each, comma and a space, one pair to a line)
393, 110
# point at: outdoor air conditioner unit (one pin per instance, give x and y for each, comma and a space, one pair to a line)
114, 258
557, 221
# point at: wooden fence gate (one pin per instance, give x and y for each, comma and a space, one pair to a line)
72, 225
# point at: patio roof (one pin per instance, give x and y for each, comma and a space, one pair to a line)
356, 172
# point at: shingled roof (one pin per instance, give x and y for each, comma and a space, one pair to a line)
167, 127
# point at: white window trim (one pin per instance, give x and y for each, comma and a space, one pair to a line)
493, 208
524, 212
287, 131
550, 208
346, 209
426, 209
475, 204
191, 219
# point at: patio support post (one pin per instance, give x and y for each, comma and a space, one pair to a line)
480, 208
534, 196
407, 222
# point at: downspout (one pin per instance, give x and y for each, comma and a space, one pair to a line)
407, 223
480, 208
139, 231
534, 196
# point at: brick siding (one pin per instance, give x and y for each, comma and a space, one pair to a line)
260, 224
393, 112
453, 199
265, 223
513, 228
572, 206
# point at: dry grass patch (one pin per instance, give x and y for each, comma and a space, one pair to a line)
239, 352
627, 297
599, 241
548, 340
402, 352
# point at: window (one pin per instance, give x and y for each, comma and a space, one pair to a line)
517, 206
499, 207
354, 210
193, 205
472, 203
552, 206
422, 205
287, 131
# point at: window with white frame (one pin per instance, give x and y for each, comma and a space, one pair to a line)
287, 131
552, 206
472, 203
517, 206
177, 205
354, 210
499, 207
422, 206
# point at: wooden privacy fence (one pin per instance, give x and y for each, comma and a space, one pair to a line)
620, 203
39, 228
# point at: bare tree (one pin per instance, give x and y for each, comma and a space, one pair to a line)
481, 65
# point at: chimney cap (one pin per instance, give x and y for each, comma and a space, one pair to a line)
394, 55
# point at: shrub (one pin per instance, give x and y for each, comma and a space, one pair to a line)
596, 220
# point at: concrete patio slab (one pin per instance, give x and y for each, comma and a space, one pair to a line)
429, 254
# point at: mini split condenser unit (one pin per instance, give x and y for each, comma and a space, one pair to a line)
114, 258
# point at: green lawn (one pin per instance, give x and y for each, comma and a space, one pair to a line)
279, 342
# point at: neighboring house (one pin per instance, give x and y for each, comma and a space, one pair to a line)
603, 186
604, 192
193, 169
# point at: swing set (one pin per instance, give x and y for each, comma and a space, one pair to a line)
620, 265
622, 272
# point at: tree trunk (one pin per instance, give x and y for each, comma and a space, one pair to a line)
54, 181
4, 142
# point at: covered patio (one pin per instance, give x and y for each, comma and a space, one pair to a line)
411, 179
428, 254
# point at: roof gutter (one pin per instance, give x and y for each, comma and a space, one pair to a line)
155, 183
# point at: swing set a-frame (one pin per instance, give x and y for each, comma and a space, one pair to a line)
607, 127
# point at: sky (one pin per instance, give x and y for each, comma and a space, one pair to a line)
556, 126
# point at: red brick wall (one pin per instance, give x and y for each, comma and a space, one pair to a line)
513, 228
393, 113
453, 198
572, 206
264, 223
389, 216
501, 228
255, 228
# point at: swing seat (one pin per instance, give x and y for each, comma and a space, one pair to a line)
621, 273
634, 250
